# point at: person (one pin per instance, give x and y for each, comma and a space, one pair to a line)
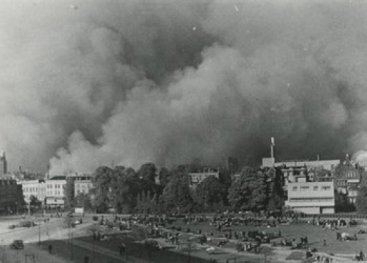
122, 248
361, 256
324, 242
50, 249
294, 244
308, 253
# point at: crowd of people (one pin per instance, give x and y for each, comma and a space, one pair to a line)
177, 230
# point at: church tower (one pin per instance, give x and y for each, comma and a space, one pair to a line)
3, 165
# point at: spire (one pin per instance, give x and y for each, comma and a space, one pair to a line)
272, 144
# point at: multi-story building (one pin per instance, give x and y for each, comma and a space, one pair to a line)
319, 174
347, 178
82, 184
55, 193
301, 171
311, 197
198, 176
9, 195
36, 188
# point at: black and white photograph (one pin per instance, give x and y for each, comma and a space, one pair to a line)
183, 131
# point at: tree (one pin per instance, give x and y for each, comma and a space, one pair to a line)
361, 202
164, 176
248, 191
276, 195
342, 203
69, 193
83, 200
20, 198
210, 193
176, 195
128, 187
34, 202
147, 175
103, 181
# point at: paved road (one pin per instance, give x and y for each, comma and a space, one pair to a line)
107, 252
54, 228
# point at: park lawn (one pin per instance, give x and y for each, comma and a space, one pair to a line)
316, 235
141, 251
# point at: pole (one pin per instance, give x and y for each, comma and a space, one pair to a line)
189, 252
93, 250
39, 233
71, 246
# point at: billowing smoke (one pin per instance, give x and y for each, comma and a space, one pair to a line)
89, 83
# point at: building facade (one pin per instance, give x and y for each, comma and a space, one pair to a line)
82, 184
55, 191
311, 197
199, 176
347, 178
36, 188
9, 195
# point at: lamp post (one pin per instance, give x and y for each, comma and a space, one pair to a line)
71, 245
189, 248
39, 233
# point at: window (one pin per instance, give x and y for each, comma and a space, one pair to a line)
315, 188
294, 188
304, 188
325, 188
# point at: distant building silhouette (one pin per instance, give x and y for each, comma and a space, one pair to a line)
3, 165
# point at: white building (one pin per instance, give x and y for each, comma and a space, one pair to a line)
311, 197
37, 188
82, 184
55, 193
197, 177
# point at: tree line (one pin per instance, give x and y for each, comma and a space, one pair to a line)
151, 190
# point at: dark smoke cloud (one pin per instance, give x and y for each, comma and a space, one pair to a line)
126, 82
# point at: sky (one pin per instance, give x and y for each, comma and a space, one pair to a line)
85, 83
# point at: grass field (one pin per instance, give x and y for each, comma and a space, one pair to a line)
316, 236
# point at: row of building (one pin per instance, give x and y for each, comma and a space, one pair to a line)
17, 191
51, 192
311, 186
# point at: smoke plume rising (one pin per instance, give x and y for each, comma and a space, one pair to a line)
89, 83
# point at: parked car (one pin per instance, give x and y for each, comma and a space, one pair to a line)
17, 244
77, 222
27, 224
